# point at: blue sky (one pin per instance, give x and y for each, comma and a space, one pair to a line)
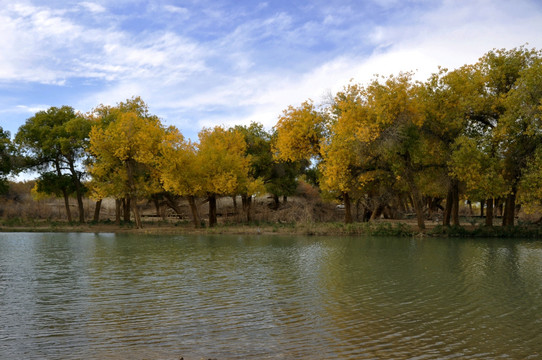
201, 63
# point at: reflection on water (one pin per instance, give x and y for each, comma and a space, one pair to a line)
95, 296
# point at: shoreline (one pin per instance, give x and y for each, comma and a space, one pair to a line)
398, 228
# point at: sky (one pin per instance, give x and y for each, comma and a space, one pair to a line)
201, 63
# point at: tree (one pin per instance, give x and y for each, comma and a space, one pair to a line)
345, 162
223, 164
497, 120
6, 159
453, 102
482, 173
519, 134
397, 112
55, 140
279, 177
179, 169
123, 153
299, 133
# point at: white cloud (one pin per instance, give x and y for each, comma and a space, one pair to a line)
93, 7
177, 10
32, 109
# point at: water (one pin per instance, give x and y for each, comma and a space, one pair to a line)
105, 296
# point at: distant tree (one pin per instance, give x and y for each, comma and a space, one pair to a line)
520, 133
6, 159
179, 169
223, 164
299, 133
279, 177
55, 141
448, 100
124, 146
501, 122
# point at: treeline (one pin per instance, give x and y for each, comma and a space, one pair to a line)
474, 132
126, 153
470, 133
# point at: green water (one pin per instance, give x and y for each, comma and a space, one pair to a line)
105, 296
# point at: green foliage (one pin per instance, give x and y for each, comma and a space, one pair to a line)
56, 140
279, 176
50, 183
6, 159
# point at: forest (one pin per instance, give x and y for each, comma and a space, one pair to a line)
393, 146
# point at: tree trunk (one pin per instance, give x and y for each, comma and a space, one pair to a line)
429, 204
276, 202
97, 209
451, 212
234, 198
194, 210
137, 215
78, 189
417, 199
455, 207
67, 204
158, 208
347, 208
118, 203
64, 192
80, 204
367, 213
358, 202
126, 208
418, 208
212, 210
171, 201
482, 204
131, 198
489, 213
410, 203
284, 199
509, 215
78, 193
247, 206
377, 212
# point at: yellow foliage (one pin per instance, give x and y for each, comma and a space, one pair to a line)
179, 169
124, 144
223, 164
299, 132
36, 195
481, 172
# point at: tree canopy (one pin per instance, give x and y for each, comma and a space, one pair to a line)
55, 142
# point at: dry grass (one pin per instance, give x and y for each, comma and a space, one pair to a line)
302, 214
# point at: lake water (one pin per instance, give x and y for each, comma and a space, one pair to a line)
106, 296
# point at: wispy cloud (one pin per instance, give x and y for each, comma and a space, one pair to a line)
93, 7
31, 109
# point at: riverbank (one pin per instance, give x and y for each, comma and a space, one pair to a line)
401, 228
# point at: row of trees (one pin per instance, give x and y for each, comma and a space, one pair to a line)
126, 153
474, 132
